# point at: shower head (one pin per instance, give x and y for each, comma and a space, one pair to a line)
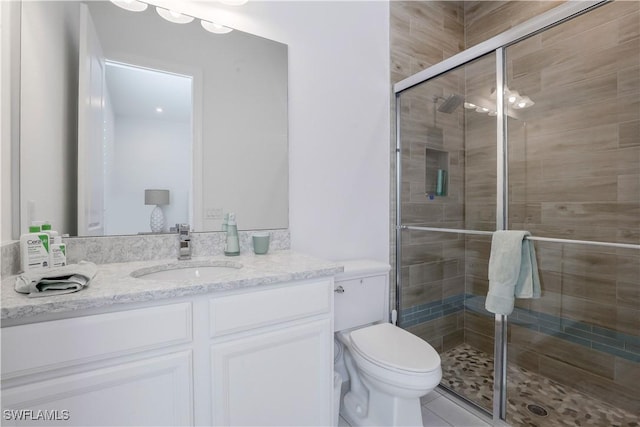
451, 103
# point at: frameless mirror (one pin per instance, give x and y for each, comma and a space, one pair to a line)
116, 105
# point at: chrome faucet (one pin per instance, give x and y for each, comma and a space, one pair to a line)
184, 241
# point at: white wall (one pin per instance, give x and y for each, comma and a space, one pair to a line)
49, 64
338, 118
339, 122
167, 146
5, 136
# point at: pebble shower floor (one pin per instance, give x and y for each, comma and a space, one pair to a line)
469, 372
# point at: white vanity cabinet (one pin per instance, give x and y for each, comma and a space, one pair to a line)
272, 356
256, 356
130, 367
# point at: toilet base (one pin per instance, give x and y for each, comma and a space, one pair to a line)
381, 410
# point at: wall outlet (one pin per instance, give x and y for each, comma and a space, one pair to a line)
213, 213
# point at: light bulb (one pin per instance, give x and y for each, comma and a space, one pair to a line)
234, 2
159, 110
527, 102
173, 16
512, 99
131, 5
469, 106
215, 28
522, 104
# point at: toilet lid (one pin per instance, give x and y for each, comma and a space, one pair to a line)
390, 346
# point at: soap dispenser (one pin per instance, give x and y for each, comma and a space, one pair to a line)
232, 247
225, 222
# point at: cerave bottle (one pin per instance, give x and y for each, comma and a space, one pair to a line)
58, 252
34, 250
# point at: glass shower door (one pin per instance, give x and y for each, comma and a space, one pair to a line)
448, 132
574, 173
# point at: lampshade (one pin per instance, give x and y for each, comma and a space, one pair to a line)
156, 197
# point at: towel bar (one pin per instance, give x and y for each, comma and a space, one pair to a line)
541, 239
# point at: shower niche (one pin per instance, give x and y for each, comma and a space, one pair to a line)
436, 180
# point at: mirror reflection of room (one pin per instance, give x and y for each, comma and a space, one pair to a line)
219, 140
150, 113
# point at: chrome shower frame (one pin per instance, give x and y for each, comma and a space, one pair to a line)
497, 45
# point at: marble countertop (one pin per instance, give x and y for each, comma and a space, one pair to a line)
113, 283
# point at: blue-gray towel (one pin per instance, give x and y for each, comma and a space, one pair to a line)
56, 281
513, 271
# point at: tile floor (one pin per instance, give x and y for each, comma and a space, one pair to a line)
469, 372
440, 410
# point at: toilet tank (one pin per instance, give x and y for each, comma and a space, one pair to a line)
362, 294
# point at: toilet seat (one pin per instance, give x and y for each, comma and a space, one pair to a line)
395, 349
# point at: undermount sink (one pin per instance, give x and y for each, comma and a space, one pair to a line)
194, 271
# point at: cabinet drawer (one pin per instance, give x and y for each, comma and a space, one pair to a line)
59, 343
150, 392
235, 313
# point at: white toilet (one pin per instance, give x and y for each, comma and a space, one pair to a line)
388, 368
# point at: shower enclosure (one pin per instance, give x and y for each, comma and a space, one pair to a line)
536, 129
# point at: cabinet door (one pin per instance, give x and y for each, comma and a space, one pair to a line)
154, 391
281, 378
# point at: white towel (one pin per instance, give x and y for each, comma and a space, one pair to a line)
56, 281
513, 271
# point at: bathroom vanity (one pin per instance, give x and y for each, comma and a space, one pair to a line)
251, 347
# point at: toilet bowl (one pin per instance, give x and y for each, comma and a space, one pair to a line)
395, 368
388, 368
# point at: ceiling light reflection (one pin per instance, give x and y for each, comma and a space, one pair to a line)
172, 16
234, 2
215, 28
131, 5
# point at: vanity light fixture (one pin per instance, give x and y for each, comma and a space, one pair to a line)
212, 27
131, 5
513, 99
512, 96
173, 16
177, 17
523, 102
234, 2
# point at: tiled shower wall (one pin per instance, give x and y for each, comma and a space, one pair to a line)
574, 173
423, 34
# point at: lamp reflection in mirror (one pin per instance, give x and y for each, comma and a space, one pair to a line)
158, 198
